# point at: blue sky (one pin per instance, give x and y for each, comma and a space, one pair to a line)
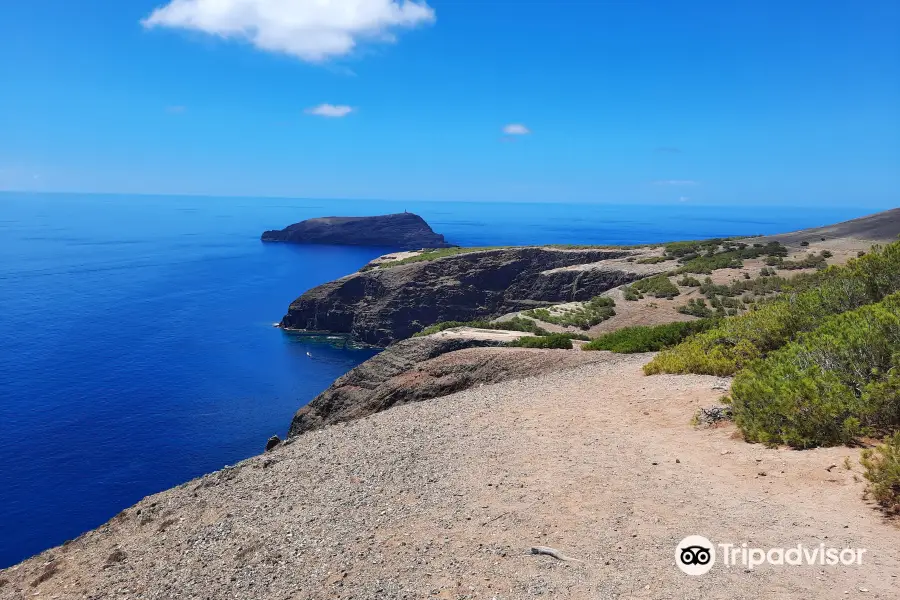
622, 101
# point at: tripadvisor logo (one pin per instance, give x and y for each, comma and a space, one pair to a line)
696, 555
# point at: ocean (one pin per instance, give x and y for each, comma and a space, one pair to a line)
136, 342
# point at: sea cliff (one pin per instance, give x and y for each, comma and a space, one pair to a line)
385, 304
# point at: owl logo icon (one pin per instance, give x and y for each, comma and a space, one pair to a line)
695, 555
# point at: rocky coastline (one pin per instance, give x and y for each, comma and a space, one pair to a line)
382, 305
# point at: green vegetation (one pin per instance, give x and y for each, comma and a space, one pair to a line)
710, 255
803, 306
696, 307
559, 341
833, 384
882, 467
596, 310
689, 281
810, 261
514, 324
433, 254
658, 286
709, 263
647, 339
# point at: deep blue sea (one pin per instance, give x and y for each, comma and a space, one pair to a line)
136, 341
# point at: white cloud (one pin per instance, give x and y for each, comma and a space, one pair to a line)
311, 30
330, 110
516, 129
676, 182
683, 198
175, 110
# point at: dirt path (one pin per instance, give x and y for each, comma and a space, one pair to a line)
445, 498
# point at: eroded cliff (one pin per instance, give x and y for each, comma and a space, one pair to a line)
382, 305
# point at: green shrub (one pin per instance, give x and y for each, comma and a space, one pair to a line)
689, 281
647, 338
882, 467
596, 310
696, 307
558, 341
630, 294
810, 261
709, 263
833, 384
658, 286
803, 306
514, 324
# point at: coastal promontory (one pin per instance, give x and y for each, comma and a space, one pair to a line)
406, 231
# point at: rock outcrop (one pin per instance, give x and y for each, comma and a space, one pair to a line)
427, 367
406, 231
382, 305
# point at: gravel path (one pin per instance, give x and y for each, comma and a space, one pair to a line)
445, 499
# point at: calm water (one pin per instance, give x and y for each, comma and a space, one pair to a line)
136, 340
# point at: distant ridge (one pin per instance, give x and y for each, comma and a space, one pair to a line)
878, 227
406, 230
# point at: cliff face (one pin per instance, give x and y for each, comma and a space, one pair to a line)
427, 367
381, 306
366, 389
404, 230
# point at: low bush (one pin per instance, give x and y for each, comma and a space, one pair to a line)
882, 470
596, 310
559, 341
658, 286
810, 261
696, 307
835, 383
630, 294
688, 281
709, 263
647, 338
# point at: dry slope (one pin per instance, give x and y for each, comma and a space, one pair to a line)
445, 498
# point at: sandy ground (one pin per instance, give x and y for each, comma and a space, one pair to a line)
475, 333
445, 498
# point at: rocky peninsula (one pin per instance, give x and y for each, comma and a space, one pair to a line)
396, 299
405, 231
